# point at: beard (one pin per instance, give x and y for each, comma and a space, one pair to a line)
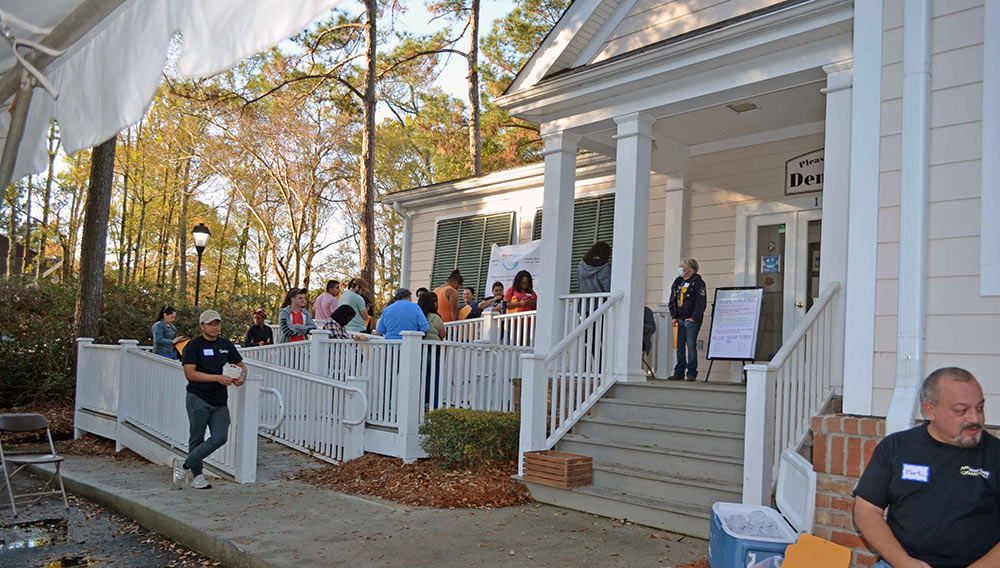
969, 441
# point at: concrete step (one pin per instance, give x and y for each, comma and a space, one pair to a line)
650, 511
696, 491
665, 414
676, 462
715, 442
728, 396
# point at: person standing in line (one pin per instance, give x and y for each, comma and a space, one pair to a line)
471, 308
338, 319
327, 301
447, 296
259, 333
521, 295
204, 360
165, 333
402, 315
493, 304
688, 299
593, 273
294, 320
435, 332
421, 291
353, 297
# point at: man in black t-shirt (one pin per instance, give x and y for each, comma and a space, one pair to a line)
205, 358
939, 482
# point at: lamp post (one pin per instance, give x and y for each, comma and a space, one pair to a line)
200, 234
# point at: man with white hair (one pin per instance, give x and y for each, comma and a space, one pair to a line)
939, 482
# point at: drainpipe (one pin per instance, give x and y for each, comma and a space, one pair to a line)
404, 269
912, 215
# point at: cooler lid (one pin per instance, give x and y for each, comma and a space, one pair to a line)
796, 492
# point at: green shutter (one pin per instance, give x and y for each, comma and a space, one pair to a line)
465, 244
593, 220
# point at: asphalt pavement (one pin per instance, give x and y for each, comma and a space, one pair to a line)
286, 522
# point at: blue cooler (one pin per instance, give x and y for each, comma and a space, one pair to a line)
730, 547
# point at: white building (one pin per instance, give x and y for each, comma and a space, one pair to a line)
697, 116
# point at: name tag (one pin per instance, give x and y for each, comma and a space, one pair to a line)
208, 352
911, 472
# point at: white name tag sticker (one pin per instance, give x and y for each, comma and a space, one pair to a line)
912, 472
208, 352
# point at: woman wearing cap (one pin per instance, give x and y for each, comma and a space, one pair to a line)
294, 319
259, 333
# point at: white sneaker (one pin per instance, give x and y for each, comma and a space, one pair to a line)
200, 482
180, 474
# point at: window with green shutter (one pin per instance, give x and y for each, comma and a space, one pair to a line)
593, 220
464, 244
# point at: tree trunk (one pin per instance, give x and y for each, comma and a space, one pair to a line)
475, 142
124, 216
182, 233
368, 150
47, 201
26, 251
11, 232
241, 254
90, 296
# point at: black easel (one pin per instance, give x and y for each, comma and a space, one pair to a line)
711, 360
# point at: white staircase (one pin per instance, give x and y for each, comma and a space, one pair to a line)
663, 453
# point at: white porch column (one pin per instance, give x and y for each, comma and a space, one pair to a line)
673, 244
628, 267
836, 199
557, 234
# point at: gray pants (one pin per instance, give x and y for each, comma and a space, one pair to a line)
203, 415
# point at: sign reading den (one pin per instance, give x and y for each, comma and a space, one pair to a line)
804, 174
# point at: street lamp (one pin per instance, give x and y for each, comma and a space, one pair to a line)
200, 234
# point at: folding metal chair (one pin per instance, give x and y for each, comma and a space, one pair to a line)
29, 423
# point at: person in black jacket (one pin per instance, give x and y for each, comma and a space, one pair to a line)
687, 309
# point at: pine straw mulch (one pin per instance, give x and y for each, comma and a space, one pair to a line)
95, 446
702, 563
423, 483
60, 417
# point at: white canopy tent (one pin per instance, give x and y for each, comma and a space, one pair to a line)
101, 61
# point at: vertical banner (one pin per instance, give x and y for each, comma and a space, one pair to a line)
507, 261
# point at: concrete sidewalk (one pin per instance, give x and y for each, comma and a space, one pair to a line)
281, 522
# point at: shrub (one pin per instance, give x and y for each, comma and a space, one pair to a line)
36, 333
463, 438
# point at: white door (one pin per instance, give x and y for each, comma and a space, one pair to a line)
782, 257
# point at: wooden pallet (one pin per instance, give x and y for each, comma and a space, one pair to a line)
558, 469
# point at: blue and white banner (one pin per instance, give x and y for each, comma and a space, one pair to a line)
507, 261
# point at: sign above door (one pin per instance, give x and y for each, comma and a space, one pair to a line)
804, 174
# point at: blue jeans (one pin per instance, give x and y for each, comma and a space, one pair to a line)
687, 348
202, 415
881, 564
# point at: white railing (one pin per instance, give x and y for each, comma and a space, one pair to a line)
150, 415
294, 355
465, 331
313, 414
517, 329
478, 375
576, 307
787, 392
561, 386
100, 394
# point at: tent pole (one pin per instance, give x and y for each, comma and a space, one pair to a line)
16, 129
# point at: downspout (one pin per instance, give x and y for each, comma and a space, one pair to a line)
912, 215
404, 269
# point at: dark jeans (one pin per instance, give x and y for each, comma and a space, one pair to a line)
687, 348
432, 374
203, 415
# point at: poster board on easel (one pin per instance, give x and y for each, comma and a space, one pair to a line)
735, 323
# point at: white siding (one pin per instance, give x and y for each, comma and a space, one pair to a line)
962, 328
650, 21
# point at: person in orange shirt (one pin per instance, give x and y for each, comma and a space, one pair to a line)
448, 297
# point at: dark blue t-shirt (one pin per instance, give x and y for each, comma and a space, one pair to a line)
210, 357
943, 500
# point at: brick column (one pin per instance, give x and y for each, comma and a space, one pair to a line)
842, 446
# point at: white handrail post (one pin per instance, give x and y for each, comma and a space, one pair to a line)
318, 360
534, 404
124, 387
82, 376
247, 402
758, 441
491, 329
354, 437
409, 397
